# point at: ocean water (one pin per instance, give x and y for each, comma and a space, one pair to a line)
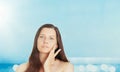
77, 68
6, 67
96, 64
88, 64
97, 68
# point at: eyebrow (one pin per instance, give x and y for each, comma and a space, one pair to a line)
50, 35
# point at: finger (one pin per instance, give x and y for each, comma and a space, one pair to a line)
52, 51
57, 53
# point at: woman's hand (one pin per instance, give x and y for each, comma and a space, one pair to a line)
50, 59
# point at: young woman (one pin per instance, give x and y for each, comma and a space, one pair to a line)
48, 53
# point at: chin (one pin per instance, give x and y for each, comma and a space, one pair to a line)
45, 52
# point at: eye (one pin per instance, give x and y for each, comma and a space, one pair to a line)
51, 38
41, 36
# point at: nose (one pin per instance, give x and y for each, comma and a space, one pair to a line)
45, 40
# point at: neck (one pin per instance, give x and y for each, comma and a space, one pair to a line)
43, 57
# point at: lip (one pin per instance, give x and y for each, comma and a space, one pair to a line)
45, 46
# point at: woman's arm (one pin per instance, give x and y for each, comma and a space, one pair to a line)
50, 59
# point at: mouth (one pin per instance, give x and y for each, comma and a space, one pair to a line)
44, 46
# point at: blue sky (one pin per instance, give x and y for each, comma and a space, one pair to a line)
89, 28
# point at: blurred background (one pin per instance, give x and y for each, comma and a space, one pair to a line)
89, 28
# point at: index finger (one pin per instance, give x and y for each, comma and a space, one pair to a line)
57, 52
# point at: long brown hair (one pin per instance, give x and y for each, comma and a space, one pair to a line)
34, 62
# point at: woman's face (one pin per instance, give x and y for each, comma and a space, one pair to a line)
46, 40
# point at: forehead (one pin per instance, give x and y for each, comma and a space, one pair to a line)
48, 31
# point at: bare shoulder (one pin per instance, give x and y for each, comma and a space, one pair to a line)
22, 67
68, 67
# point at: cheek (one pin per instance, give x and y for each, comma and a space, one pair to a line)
39, 44
53, 44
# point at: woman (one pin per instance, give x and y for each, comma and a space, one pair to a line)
48, 53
